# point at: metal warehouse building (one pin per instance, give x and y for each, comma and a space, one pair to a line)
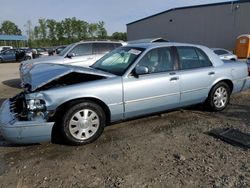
213, 25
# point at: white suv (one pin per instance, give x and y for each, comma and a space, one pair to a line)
78, 54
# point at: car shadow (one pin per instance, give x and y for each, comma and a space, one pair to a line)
14, 83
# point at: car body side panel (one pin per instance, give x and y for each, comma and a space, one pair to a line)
195, 84
150, 93
109, 91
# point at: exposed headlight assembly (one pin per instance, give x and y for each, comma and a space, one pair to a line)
36, 105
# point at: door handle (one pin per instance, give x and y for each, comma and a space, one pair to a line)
172, 73
174, 79
211, 73
90, 58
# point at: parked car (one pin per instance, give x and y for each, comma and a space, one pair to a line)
3, 48
56, 50
225, 54
79, 54
42, 52
8, 55
131, 81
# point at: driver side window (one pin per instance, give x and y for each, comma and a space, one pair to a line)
158, 60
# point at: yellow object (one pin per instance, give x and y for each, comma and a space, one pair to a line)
243, 46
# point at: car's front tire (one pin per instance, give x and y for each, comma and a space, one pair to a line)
83, 123
218, 97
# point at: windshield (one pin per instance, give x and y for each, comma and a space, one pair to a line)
119, 60
65, 50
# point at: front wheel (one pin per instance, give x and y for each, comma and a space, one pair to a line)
219, 96
83, 123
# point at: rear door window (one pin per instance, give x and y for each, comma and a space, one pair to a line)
82, 49
103, 48
191, 58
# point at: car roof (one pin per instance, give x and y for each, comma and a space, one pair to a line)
161, 44
94, 41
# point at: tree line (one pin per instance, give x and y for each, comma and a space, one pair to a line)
50, 32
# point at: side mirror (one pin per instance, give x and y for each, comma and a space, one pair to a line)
70, 55
140, 70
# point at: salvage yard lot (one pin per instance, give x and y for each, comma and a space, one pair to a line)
167, 150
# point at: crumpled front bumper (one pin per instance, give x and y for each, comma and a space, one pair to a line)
23, 132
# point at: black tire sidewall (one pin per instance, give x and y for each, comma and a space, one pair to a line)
72, 110
210, 102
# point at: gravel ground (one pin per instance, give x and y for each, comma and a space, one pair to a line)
168, 150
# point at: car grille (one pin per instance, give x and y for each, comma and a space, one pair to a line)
18, 106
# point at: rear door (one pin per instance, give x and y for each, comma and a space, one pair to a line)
196, 73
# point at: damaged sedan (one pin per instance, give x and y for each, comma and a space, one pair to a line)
131, 81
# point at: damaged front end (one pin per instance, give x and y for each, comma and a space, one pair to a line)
28, 117
24, 121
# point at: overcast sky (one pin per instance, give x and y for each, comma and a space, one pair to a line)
115, 13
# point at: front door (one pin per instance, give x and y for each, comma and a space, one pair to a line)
156, 91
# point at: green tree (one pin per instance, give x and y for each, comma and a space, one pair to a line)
51, 25
59, 33
42, 28
67, 28
92, 29
79, 29
101, 31
10, 28
119, 36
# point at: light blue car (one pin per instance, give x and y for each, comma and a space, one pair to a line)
131, 81
8, 55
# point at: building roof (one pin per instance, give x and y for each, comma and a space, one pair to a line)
194, 6
13, 37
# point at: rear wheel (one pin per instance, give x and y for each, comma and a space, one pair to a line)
83, 123
1, 60
219, 96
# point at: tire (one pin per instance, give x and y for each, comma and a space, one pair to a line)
83, 123
218, 97
1, 60
27, 58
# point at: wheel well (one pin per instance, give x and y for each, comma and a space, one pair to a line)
228, 82
61, 109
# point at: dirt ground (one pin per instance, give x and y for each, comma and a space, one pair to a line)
167, 150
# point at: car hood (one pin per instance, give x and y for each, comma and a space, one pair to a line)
46, 59
44, 73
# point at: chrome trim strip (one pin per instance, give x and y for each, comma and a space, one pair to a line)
148, 98
115, 104
192, 90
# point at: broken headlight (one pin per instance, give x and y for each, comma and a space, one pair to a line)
36, 105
